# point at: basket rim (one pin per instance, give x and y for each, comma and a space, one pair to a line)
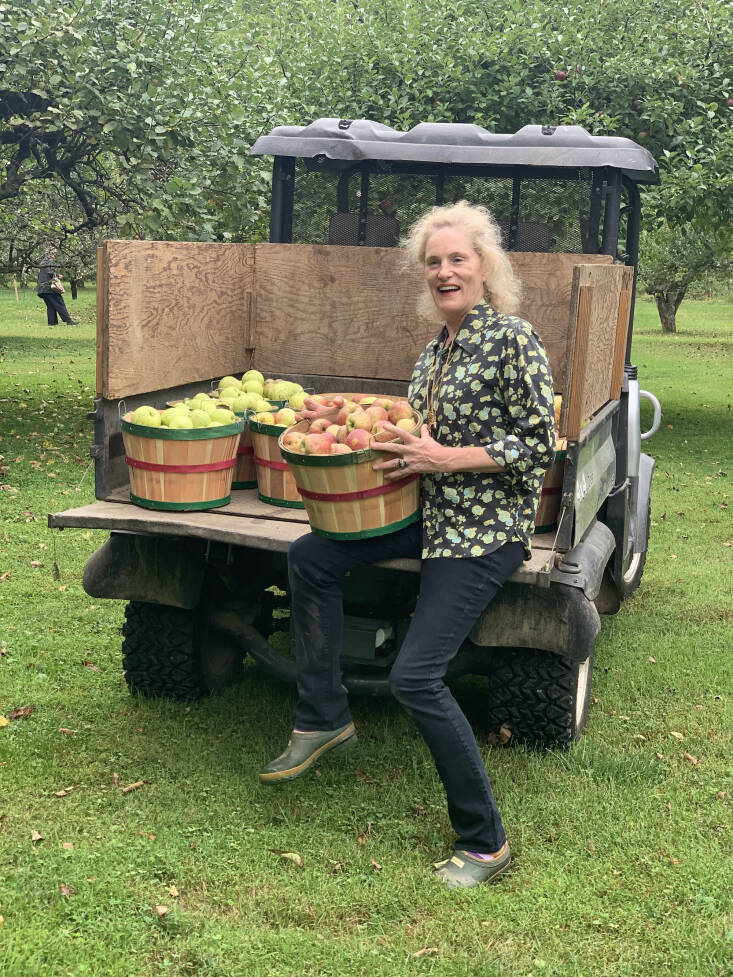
162, 433
337, 461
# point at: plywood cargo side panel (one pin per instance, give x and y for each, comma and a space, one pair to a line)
352, 311
349, 311
174, 312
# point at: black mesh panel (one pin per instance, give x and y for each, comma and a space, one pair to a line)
552, 214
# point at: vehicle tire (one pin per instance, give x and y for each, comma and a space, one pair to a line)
629, 581
172, 653
540, 697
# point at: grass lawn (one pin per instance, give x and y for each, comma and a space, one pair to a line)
622, 845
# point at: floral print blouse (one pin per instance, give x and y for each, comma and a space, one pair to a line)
495, 390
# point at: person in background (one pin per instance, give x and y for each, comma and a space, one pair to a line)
484, 387
50, 292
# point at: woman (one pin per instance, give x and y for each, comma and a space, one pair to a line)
485, 390
55, 305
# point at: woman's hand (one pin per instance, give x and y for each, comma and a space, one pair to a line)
415, 455
315, 410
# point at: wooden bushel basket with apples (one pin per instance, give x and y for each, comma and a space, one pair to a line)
183, 469
344, 497
245, 473
275, 483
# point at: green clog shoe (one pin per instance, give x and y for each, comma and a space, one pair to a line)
303, 750
463, 871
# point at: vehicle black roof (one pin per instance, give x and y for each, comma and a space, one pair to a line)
339, 141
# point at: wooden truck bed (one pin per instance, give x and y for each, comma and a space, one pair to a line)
244, 522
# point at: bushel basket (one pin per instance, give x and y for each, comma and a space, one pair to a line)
346, 499
180, 469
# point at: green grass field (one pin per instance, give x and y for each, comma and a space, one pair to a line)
622, 845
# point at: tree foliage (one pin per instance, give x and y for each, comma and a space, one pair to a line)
145, 111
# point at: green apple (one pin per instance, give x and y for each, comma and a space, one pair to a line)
254, 375
229, 395
252, 386
171, 412
182, 422
147, 416
200, 418
224, 416
297, 400
230, 382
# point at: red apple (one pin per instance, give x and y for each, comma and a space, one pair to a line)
343, 433
319, 425
380, 434
334, 430
376, 413
358, 439
385, 402
729, 103
318, 444
293, 441
560, 75
340, 449
359, 419
400, 409
348, 408
406, 423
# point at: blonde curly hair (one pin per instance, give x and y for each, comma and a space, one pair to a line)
502, 288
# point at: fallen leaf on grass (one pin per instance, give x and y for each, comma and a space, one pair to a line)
146, 834
161, 911
67, 890
5, 576
136, 786
674, 861
502, 737
677, 736
652, 660
290, 856
90, 666
424, 952
69, 732
363, 775
659, 756
638, 736
173, 892
36, 563
376, 866
21, 713
115, 780
35, 836
68, 845
4, 721
692, 759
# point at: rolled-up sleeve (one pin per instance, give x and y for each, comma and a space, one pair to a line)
526, 382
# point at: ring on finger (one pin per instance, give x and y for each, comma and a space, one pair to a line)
402, 463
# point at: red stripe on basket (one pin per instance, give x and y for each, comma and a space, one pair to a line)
246, 450
279, 465
365, 494
552, 491
149, 466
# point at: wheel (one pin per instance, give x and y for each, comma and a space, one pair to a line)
629, 581
171, 652
542, 698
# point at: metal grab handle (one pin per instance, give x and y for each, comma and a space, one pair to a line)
657, 414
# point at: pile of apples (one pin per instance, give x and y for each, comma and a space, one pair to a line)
199, 411
254, 392
360, 420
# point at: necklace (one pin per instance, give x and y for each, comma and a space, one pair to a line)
434, 383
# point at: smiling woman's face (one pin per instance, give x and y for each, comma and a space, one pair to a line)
453, 273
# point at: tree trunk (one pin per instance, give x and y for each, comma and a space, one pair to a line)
667, 305
73, 288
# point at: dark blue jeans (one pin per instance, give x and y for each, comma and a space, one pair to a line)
453, 593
